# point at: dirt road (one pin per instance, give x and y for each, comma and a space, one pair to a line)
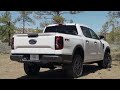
14, 70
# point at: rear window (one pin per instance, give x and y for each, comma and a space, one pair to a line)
69, 29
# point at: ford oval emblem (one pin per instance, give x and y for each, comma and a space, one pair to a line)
32, 41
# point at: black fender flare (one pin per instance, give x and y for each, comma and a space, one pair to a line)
107, 49
74, 50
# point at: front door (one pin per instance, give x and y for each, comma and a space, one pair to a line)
98, 48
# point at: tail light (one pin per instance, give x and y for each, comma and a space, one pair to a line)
12, 43
58, 42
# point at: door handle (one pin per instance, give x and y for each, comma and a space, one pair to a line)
87, 41
95, 42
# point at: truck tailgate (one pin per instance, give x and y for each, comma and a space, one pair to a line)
41, 44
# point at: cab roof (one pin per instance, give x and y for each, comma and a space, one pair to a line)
68, 24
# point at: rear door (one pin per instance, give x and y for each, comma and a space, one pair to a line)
89, 45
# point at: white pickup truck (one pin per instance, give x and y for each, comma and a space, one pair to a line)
66, 45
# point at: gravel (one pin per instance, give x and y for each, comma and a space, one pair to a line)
14, 70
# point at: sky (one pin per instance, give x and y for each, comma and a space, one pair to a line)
93, 19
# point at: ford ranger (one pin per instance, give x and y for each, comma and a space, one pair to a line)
66, 45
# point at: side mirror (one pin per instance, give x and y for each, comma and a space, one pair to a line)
101, 36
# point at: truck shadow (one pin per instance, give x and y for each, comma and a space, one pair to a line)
59, 73
90, 69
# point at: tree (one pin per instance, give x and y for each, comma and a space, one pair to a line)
38, 30
7, 27
111, 24
58, 19
25, 18
105, 29
44, 24
71, 21
56, 15
116, 35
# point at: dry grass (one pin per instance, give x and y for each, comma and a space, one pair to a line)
116, 56
14, 70
115, 53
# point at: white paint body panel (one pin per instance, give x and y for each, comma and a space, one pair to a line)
46, 44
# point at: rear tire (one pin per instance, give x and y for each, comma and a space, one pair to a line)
106, 62
31, 69
52, 68
76, 68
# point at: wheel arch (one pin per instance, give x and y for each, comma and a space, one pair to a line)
78, 50
108, 49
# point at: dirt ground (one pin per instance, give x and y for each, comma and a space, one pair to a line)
14, 70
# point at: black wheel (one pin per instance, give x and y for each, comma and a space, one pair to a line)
52, 68
31, 69
106, 62
76, 68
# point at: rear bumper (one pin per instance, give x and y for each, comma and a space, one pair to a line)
42, 58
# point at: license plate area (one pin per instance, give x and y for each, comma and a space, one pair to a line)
34, 57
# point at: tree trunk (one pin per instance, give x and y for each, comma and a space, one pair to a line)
113, 27
58, 13
9, 35
105, 35
23, 21
23, 25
